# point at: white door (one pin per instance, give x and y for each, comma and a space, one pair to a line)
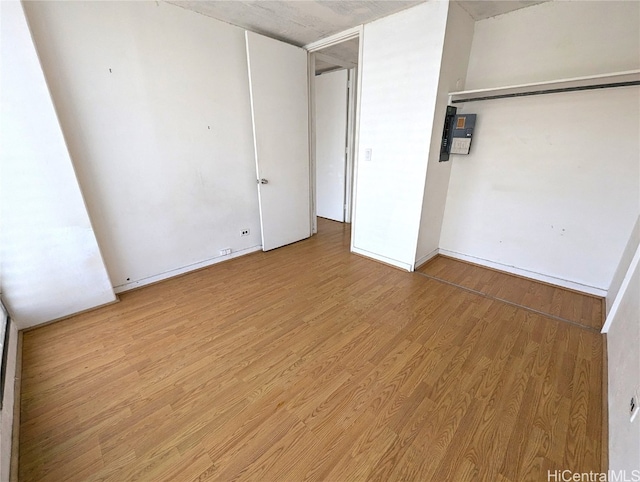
331, 143
279, 104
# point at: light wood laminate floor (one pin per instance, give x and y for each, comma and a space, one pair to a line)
309, 363
579, 308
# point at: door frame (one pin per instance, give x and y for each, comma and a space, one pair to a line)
352, 81
353, 121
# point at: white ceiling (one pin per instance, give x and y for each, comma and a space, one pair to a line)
481, 9
346, 51
296, 22
301, 22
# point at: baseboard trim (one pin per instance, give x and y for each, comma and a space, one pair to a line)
70, 315
425, 258
563, 283
383, 259
185, 269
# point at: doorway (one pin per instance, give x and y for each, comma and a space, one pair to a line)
332, 144
333, 74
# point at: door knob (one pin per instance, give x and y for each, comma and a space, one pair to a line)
263, 181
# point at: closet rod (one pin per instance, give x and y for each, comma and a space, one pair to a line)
549, 91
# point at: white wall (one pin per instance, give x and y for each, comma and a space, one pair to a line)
154, 103
400, 70
623, 342
453, 71
51, 264
551, 187
555, 40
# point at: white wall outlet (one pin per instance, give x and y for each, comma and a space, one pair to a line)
245, 232
367, 154
225, 251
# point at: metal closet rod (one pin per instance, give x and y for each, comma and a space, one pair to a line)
549, 91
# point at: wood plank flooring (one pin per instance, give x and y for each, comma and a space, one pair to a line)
309, 363
569, 305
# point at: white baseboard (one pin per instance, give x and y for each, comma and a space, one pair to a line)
572, 285
185, 269
383, 259
425, 258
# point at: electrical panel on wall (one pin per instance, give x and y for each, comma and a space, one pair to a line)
457, 133
462, 133
447, 131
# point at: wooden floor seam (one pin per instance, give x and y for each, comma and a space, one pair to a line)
568, 305
502, 300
